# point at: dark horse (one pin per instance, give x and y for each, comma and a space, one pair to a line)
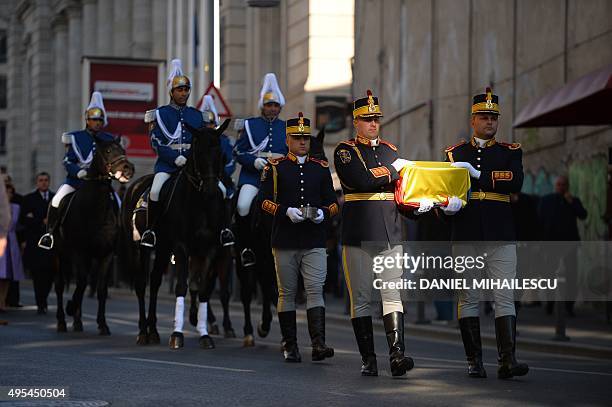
264, 271
87, 236
188, 229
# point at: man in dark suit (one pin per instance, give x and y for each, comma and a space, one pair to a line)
34, 219
558, 214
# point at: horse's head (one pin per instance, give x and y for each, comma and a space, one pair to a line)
205, 163
110, 161
316, 146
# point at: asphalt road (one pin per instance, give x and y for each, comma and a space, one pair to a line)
114, 370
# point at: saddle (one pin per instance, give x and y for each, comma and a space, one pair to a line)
166, 194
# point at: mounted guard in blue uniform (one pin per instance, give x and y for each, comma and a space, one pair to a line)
263, 138
80, 148
171, 140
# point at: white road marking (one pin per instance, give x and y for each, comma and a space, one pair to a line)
166, 362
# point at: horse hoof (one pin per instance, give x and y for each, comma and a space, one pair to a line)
61, 326
248, 341
206, 342
214, 329
177, 340
70, 308
77, 326
153, 338
193, 316
261, 331
141, 339
104, 330
229, 333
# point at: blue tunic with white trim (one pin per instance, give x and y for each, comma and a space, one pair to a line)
79, 154
169, 135
259, 136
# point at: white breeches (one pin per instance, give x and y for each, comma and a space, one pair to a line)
63, 190
158, 183
247, 193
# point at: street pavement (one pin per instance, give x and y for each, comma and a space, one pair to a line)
115, 371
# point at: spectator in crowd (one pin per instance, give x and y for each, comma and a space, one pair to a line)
12, 298
5, 219
11, 268
36, 260
558, 214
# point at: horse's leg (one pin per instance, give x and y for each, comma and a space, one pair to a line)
210, 279
265, 277
245, 275
180, 257
103, 273
140, 285
224, 270
162, 259
76, 303
202, 267
194, 283
59, 269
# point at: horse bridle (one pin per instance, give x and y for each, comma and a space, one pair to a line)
197, 181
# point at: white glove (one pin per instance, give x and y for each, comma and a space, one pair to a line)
180, 161
400, 163
81, 174
320, 217
454, 206
295, 215
474, 173
425, 205
260, 163
222, 189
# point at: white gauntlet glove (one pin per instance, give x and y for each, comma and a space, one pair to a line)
425, 205
222, 189
82, 174
454, 206
260, 163
180, 161
320, 217
400, 163
474, 173
295, 215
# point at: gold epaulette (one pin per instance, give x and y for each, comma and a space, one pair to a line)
275, 161
350, 142
511, 146
392, 146
323, 164
451, 148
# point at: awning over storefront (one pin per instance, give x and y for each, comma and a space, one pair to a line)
585, 101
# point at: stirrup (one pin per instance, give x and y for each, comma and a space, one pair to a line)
226, 238
46, 241
145, 235
243, 257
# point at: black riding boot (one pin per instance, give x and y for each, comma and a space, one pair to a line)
362, 326
470, 334
46, 241
247, 255
289, 331
316, 329
505, 332
148, 238
394, 327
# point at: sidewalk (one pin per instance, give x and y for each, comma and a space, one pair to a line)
590, 334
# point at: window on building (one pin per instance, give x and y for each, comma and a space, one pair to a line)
3, 47
2, 138
3, 91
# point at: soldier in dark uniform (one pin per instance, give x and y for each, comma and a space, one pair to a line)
496, 171
298, 191
368, 168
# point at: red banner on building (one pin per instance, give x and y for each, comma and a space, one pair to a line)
129, 89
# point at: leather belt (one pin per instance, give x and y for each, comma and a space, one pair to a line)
368, 196
489, 196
